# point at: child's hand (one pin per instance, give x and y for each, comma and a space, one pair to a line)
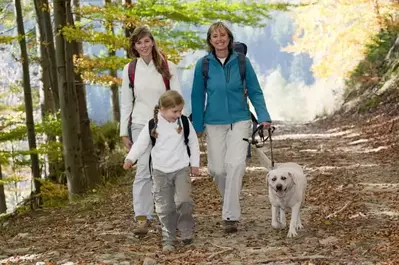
128, 164
194, 171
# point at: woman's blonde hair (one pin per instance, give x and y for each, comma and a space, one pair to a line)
168, 100
157, 57
217, 26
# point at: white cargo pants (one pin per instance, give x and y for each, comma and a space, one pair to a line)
227, 153
143, 200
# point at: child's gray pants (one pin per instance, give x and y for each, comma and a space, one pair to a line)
174, 204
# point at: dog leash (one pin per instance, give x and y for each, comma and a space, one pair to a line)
263, 139
270, 131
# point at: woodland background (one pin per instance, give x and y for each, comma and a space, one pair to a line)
61, 63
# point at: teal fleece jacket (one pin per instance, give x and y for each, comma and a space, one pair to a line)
226, 101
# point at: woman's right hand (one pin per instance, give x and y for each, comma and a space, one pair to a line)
126, 142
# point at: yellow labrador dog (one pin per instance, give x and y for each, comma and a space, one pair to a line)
287, 185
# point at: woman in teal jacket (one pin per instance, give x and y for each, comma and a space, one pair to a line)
226, 116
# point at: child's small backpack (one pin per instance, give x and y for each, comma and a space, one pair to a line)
186, 132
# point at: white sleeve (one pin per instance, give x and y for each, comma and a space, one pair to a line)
126, 102
174, 81
139, 146
194, 147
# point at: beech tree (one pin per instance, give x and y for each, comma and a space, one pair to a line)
30, 124
336, 33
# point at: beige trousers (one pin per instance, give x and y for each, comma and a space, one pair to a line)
227, 153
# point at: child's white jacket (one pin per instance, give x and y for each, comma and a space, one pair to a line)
170, 152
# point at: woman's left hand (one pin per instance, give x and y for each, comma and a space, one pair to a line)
266, 124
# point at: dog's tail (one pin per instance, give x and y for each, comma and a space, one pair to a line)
265, 161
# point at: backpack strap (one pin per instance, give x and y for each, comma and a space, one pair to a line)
205, 70
131, 73
151, 125
242, 68
186, 131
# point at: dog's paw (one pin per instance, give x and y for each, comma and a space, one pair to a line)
277, 225
299, 226
292, 233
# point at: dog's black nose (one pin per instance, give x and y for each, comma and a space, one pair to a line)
279, 187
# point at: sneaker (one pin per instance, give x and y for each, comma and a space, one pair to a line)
168, 248
230, 226
187, 241
142, 226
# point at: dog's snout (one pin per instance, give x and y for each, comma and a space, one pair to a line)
279, 187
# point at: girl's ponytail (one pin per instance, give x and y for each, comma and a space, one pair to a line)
154, 130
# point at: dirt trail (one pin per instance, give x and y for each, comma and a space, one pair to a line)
352, 171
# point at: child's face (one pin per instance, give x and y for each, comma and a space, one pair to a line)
172, 114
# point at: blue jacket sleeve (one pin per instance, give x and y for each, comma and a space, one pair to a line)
255, 93
198, 98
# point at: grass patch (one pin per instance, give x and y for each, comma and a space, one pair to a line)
370, 104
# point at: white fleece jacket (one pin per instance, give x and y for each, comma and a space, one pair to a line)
170, 152
148, 87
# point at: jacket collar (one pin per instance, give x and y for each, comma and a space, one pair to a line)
232, 55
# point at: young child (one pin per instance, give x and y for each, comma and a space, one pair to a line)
170, 167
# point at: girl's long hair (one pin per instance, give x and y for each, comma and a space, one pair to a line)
157, 57
168, 100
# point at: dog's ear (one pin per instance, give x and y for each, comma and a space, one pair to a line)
267, 179
292, 177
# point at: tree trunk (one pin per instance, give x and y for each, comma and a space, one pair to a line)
47, 103
77, 183
46, 31
115, 95
30, 125
128, 28
90, 160
3, 205
114, 87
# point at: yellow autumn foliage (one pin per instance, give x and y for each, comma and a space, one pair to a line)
335, 33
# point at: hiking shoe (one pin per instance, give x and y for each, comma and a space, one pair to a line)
187, 241
168, 248
230, 226
142, 226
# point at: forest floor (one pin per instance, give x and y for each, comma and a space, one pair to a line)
351, 213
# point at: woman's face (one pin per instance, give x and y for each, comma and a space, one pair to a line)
220, 39
144, 46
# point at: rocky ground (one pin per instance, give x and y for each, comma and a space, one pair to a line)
351, 214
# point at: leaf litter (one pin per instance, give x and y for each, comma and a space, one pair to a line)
351, 213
